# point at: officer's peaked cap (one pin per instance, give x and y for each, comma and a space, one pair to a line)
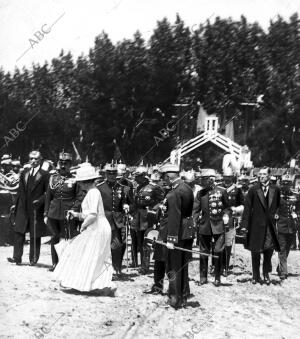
208, 172
65, 156
169, 168
141, 170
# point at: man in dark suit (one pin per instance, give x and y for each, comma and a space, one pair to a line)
116, 199
29, 210
261, 207
179, 231
63, 194
213, 206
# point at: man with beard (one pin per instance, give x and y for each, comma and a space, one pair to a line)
212, 209
116, 198
29, 210
261, 206
63, 194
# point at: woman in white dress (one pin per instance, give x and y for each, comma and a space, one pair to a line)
85, 264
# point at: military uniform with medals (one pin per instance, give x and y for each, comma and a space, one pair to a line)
286, 223
114, 196
212, 205
146, 199
63, 194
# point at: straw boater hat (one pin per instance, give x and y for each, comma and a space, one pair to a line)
87, 172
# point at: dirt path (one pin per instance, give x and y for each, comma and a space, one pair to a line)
33, 306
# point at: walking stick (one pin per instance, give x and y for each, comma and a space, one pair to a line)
34, 235
127, 225
234, 223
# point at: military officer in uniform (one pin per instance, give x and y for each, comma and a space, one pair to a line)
63, 194
211, 214
117, 199
236, 205
179, 232
147, 197
286, 223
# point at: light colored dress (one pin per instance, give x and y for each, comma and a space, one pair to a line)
85, 264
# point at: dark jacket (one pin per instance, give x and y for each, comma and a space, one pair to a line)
259, 213
114, 197
212, 205
147, 197
286, 223
178, 217
31, 190
63, 194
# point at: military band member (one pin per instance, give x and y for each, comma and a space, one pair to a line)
212, 208
179, 231
63, 194
117, 199
236, 205
29, 210
286, 223
147, 197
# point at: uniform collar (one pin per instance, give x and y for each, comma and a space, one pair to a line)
175, 182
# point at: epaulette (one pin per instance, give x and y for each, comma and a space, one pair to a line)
100, 183
218, 186
53, 171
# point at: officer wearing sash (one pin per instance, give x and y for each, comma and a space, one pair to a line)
63, 194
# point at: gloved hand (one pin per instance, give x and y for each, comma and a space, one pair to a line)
35, 203
170, 246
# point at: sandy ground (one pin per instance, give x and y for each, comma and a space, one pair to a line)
33, 306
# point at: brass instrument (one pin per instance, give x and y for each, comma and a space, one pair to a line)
9, 181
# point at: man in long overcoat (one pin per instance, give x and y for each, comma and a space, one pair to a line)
261, 207
29, 210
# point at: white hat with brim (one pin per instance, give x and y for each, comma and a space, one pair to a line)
85, 173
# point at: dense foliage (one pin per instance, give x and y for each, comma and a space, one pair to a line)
117, 101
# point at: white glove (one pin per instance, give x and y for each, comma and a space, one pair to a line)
46, 220
225, 219
170, 245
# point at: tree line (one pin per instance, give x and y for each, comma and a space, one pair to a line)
116, 101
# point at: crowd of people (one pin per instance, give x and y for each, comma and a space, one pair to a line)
90, 215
